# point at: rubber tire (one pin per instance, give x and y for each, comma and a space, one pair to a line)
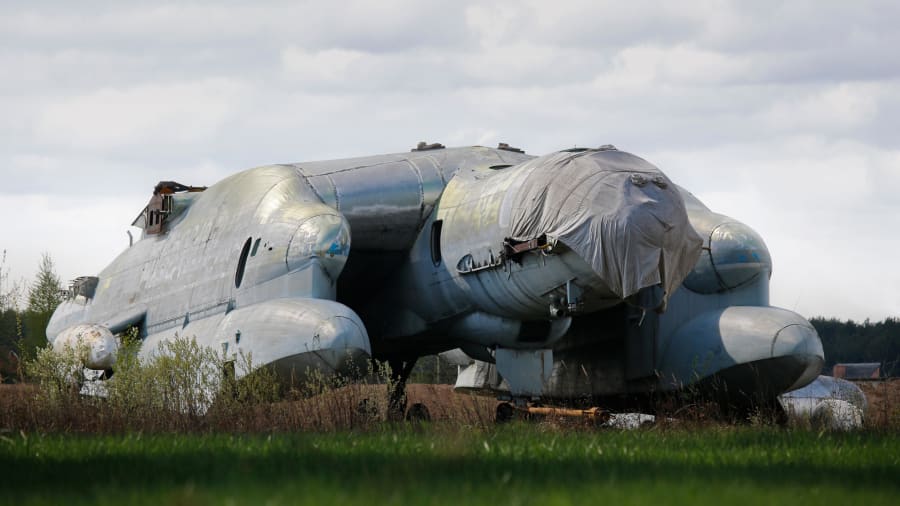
417, 413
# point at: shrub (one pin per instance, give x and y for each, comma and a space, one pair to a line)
185, 387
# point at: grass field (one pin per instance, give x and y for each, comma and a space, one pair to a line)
442, 464
146, 444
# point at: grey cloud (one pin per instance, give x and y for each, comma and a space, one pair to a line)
75, 176
385, 26
83, 70
777, 26
427, 71
584, 23
745, 105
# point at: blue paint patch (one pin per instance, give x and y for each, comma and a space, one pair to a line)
335, 249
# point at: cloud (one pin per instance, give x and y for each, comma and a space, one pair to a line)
114, 118
582, 23
683, 64
81, 235
780, 114
841, 108
382, 27
822, 209
329, 66
93, 177
427, 71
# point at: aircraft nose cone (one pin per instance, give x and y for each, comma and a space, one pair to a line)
746, 344
94, 344
800, 344
734, 255
340, 332
325, 237
342, 342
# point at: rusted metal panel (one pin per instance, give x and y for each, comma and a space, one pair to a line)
162, 205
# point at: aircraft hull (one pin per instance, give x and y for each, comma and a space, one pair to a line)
295, 335
574, 254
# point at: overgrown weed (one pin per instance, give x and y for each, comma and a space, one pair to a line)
186, 387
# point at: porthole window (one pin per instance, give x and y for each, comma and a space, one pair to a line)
242, 263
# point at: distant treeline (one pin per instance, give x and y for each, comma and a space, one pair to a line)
21, 333
849, 341
25, 311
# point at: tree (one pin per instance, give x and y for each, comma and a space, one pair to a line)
10, 323
44, 294
43, 298
10, 293
860, 342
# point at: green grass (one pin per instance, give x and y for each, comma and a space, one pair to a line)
516, 464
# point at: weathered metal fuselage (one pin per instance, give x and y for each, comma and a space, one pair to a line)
497, 253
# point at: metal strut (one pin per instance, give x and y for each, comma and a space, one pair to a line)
400, 371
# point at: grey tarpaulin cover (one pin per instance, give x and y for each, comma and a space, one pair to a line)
593, 201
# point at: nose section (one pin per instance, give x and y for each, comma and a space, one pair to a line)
325, 237
93, 344
734, 255
650, 238
343, 342
802, 345
341, 333
622, 221
755, 348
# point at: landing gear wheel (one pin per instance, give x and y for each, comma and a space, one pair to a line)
505, 413
417, 413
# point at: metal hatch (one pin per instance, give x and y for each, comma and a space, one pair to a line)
153, 217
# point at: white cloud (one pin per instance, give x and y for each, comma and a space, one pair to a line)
321, 67
841, 107
782, 115
582, 23
112, 118
821, 209
358, 24
81, 235
684, 64
475, 135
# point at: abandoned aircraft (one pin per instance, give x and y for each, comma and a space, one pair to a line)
582, 272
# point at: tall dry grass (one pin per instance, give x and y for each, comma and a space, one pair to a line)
185, 387
883, 398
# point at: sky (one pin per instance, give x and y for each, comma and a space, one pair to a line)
783, 115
